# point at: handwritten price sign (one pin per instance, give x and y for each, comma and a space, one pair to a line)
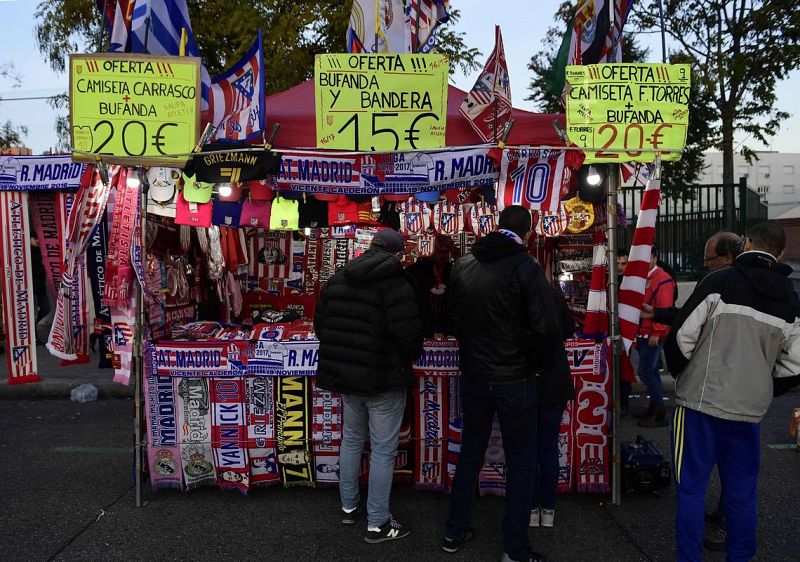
134, 109
632, 109
381, 102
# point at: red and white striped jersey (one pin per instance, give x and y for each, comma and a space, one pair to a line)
415, 217
535, 178
448, 218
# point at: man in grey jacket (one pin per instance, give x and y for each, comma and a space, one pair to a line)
734, 344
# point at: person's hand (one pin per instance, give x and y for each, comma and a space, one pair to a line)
648, 312
652, 341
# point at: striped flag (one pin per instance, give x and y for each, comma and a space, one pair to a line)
634, 172
487, 106
156, 29
423, 18
378, 27
236, 98
631, 291
595, 323
117, 16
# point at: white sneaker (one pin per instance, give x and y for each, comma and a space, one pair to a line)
547, 517
534, 518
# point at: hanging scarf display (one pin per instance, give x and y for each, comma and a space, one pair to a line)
455, 426
163, 452
596, 323
90, 204
297, 266
293, 429
492, 478
48, 209
326, 433
19, 315
229, 433
566, 441
123, 324
119, 271
312, 263
328, 261
430, 469
96, 261
81, 328
194, 420
590, 415
261, 431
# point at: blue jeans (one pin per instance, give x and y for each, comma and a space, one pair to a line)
545, 475
382, 414
515, 405
649, 362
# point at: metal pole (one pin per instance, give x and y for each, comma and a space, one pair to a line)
613, 179
663, 37
138, 363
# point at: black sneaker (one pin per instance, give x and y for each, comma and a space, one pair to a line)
351, 517
715, 537
389, 531
531, 556
452, 545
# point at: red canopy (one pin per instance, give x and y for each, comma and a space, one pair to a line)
294, 110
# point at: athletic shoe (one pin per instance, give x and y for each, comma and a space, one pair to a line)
547, 517
350, 517
534, 522
531, 556
715, 538
389, 531
452, 545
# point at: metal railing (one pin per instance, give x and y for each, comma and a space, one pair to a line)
687, 217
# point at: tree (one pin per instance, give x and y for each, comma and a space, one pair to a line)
739, 49
699, 136
10, 135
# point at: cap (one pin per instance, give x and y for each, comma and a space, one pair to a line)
234, 195
313, 213
388, 240
290, 194
162, 183
284, 214
226, 213
196, 191
255, 213
192, 214
262, 190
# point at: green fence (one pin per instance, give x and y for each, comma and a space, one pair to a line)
688, 218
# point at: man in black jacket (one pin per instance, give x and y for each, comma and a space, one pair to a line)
502, 314
369, 333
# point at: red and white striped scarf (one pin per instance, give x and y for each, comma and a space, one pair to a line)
492, 477
631, 291
19, 315
430, 403
596, 321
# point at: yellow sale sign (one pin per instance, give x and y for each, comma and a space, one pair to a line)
625, 112
381, 102
134, 109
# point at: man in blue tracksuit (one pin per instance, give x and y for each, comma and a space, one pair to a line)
735, 343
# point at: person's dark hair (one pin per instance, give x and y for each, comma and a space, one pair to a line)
769, 237
654, 251
728, 243
517, 219
622, 252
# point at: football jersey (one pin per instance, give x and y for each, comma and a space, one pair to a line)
483, 218
448, 217
426, 245
552, 224
415, 217
534, 178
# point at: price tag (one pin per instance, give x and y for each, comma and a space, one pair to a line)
628, 108
381, 102
134, 109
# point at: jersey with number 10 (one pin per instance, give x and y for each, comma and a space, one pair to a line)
535, 178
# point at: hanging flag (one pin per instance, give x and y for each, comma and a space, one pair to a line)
535, 178
117, 16
423, 18
595, 325
631, 290
236, 98
156, 29
378, 26
634, 172
487, 106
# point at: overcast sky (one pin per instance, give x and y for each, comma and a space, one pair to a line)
523, 27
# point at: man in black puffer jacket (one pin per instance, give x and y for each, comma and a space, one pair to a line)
369, 333
503, 316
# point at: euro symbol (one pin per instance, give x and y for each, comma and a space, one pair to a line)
657, 135
157, 138
412, 137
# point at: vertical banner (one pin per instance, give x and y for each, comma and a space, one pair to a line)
163, 452
492, 478
261, 431
455, 425
96, 261
591, 412
431, 415
229, 433
50, 222
326, 432
194, 420
293, 428
566, 439
19, 316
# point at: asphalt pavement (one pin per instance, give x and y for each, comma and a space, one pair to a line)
67, 494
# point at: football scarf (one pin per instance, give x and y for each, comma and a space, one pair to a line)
163, 452
415, 217
448, 217
455, 426
19, 315
631, 290
297, 266
430, 407
566, 442
261, 431
535, 178
492, 478
483, 218
194, 420
96, 262
312, 263
80, 316
595, 324
229, 433
123, 324
86, 212
293, 429
49, 212
590, 414
326, 432
119, 271
232, 167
